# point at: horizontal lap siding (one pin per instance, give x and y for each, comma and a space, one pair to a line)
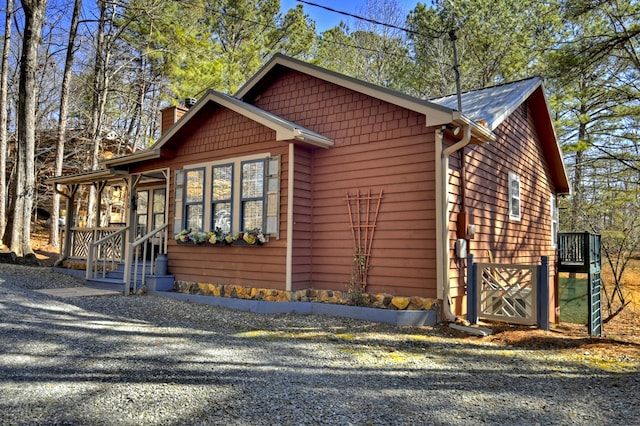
516, 149
302, 221
403, 250
223, 135
378, 146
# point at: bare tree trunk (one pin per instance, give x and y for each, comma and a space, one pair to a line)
62, 121
25, 176
4, 86
100, 83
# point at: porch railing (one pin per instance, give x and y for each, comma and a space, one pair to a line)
135, 266
577, 251
105, 253
81, 239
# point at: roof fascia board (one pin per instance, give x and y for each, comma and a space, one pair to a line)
149, 154
566, 190
283, 132
436, 114
85, 178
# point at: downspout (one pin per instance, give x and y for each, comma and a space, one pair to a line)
444, 218
289, 255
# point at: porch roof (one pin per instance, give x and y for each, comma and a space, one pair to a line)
89, 177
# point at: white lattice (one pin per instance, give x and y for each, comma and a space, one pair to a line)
507, 292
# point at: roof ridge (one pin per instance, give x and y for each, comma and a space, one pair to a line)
506, 83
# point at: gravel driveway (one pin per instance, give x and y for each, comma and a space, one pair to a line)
155, 360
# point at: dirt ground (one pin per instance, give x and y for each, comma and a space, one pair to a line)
621, 333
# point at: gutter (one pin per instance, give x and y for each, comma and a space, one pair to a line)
444, 228
290, 192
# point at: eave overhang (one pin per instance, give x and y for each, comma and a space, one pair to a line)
88, 177
435, 115
285, 130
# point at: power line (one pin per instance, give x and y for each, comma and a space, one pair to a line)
435, 34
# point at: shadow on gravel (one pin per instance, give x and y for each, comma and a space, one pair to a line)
152, 360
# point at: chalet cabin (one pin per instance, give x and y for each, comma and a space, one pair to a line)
310, 182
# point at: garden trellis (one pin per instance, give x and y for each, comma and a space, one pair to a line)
363, 215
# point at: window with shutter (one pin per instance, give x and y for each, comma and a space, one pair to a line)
243, 195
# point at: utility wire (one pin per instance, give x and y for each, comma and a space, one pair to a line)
435, 34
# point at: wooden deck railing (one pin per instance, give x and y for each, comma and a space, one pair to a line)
135, 266
105, 253
577, 250
81, 239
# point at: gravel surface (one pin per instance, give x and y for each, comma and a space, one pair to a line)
155, 360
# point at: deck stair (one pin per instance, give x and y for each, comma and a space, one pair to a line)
114, 279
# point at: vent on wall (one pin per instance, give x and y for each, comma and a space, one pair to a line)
525, 110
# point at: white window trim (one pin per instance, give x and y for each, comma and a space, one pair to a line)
515, 178
237, 187
555, 220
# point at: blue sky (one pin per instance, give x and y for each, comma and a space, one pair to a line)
326, 19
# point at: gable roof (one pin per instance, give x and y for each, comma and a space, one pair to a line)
435, 114
494, 104
285, 130
489, 106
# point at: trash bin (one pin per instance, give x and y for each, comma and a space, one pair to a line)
161, 264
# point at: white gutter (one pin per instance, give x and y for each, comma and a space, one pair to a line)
443, 248
289, 255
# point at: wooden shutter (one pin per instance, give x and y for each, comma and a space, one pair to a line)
178, 202
272, 226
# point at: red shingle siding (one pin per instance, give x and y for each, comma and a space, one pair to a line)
226, 135
378, 146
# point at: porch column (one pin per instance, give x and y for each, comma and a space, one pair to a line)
132, 183
73, 189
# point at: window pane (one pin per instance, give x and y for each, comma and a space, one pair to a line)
515, 188
222, 216
194, 217
515, 207
158, 201
158, 220
195, 185
141, 228
222, 179
252, 215
253, 179
143, 202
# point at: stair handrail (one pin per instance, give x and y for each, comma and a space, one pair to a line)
132, 262
93, 260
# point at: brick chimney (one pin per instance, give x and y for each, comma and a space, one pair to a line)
170, 116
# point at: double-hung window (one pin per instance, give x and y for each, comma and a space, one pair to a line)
514, 197
194, 199
222, 197
234, 195
253, 195
555, 220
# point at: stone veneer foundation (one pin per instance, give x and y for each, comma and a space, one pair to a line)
379, 300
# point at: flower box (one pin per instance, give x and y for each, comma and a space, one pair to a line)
219, 238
